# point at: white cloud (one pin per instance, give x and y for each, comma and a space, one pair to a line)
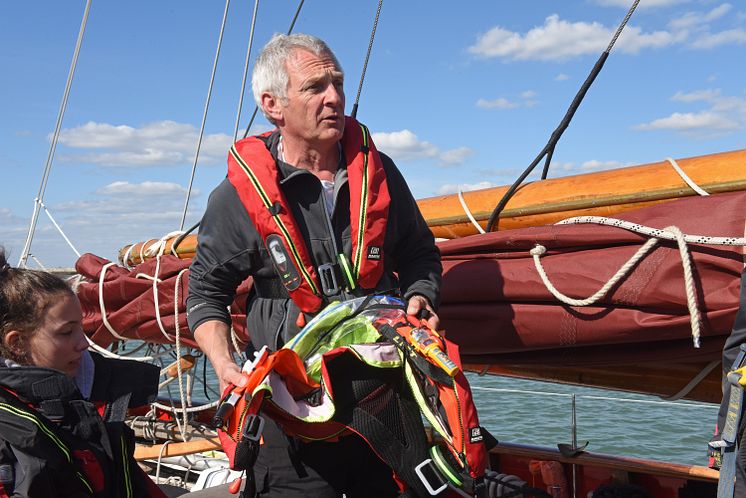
145, 189
561, 77
689, 121
404, 145
499, 103
455, 156
452, 188
559, 40
706, 95
712, 40
697, 19
527, 100
159, 143
596, 165
725, 114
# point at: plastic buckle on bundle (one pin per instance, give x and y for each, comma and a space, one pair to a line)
253, 428
430, 477
328, 277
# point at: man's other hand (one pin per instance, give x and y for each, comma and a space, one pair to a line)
418, 303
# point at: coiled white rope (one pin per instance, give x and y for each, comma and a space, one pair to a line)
668, 233
468, 212
182, 395
685, 177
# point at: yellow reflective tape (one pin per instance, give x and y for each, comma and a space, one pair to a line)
29, 416
125, 462
266, 200
358, 256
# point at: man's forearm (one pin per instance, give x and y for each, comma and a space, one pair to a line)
213, 338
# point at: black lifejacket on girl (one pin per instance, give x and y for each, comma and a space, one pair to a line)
253, 172
54, 443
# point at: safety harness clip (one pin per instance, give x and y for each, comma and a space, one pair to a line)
430, 477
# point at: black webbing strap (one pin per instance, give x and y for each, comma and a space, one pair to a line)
728, 444
414, 357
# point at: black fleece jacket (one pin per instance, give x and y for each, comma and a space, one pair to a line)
230, 249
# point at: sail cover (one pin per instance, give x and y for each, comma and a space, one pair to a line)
496, 307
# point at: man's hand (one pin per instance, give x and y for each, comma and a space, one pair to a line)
229, 373
418, 303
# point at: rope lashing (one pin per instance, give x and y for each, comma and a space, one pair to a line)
668, 233
468, 212
685, 177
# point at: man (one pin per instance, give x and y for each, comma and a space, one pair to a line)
314, 213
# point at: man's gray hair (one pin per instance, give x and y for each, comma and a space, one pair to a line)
270, 72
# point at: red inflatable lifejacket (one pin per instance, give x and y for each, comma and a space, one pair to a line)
253, 172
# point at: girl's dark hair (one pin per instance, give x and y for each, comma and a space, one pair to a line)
24, 295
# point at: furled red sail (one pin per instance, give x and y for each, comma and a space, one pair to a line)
130, 302
496, 307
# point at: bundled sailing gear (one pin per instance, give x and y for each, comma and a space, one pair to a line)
362, 366
54, 443
253, 173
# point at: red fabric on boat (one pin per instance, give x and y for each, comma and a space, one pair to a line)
495, 306
130, 304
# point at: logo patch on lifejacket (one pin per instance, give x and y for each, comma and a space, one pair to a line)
375, 252
284, 266
475, 434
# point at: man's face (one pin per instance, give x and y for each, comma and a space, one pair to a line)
314, 108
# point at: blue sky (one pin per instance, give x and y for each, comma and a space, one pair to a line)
460, 95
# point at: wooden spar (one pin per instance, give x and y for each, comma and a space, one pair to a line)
602, 194
625, 464
144, 452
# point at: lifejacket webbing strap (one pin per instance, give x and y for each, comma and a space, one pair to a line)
728, 444
412, 355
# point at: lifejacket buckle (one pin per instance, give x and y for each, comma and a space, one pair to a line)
329, 281
430, 477
253, 427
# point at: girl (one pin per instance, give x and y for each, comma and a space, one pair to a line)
62, 409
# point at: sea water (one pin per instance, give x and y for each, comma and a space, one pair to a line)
612, 422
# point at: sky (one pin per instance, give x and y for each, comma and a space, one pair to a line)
461, 96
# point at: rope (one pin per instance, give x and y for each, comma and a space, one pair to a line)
204, 115
125, 261
686, 178
668, 233
654, 232
55, 138
468, 212
246, 69
101, 303
182, 396
59, 228
367, 57
539, 250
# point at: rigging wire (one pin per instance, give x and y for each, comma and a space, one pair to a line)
367, 57
548, 150
246, 69
290, 30
204, 115
55, 137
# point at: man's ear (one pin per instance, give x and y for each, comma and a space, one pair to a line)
273, 107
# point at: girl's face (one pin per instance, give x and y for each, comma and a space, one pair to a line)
59, 341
